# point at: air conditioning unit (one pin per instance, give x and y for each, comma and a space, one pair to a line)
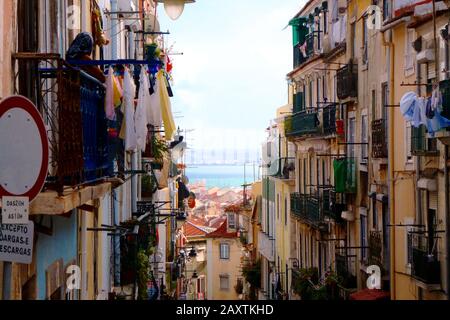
348, 215
427, 53
426, 56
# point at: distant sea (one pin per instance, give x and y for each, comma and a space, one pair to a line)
222, 176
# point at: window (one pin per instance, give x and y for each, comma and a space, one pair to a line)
363, 229
374, 104
353, 36
324, 89
351, 137
364, 138
231, 221
374, 213
318, 93
285, 211
385, 101
311, 101
386, 9
365, 36
224, 282
409, 52
408, 133
278, 206
224, 251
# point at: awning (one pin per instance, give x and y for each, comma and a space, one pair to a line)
427, 184
370, 294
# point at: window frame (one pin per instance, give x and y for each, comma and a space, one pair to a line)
224, 277
224, 254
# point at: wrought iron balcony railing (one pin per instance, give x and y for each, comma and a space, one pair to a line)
302, 123
347, 82
299, 58
72, 105
375, 248
421, 145
379, 139
423, 256
333, 205
329, 119
307, 208
310, 44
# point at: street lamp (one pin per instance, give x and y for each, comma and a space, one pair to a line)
174, 8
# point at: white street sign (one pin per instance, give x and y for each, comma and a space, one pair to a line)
16, 242
15, 210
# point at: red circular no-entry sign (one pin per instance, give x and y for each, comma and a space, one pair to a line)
24, 151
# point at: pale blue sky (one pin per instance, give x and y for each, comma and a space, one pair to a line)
232, 76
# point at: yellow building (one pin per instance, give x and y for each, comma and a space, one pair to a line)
224, 252
418, 60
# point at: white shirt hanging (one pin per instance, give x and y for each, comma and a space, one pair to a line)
129, 90
140, 117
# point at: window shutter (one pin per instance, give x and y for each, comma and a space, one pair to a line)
433, 200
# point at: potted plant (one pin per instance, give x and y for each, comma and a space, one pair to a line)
148, 186
159, 150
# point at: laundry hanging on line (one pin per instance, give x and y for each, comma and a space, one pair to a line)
424, 111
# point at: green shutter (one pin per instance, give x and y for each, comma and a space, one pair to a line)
299, 31
339, 175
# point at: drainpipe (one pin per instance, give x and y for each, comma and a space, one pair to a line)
114, 8
447, 222
391, 202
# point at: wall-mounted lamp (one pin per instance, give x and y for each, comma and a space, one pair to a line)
174, 8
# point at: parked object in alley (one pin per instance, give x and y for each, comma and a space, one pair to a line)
24, 145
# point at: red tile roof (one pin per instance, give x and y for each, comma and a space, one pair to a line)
222, 232
191, 230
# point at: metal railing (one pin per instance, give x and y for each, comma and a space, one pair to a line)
423, 256
379, 139
310, 50
72, 105
302, 123
307, 207
421, 145
347, 82
375, 248
329, 119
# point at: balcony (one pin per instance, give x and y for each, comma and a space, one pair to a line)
299, 58
333, 205
329, 119
301, 124
421, 145
310, 45
72, 105
347, 82
423, 256
379, 139
306, 208
286, 169
375, 248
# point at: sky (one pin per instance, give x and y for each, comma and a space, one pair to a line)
232, 74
